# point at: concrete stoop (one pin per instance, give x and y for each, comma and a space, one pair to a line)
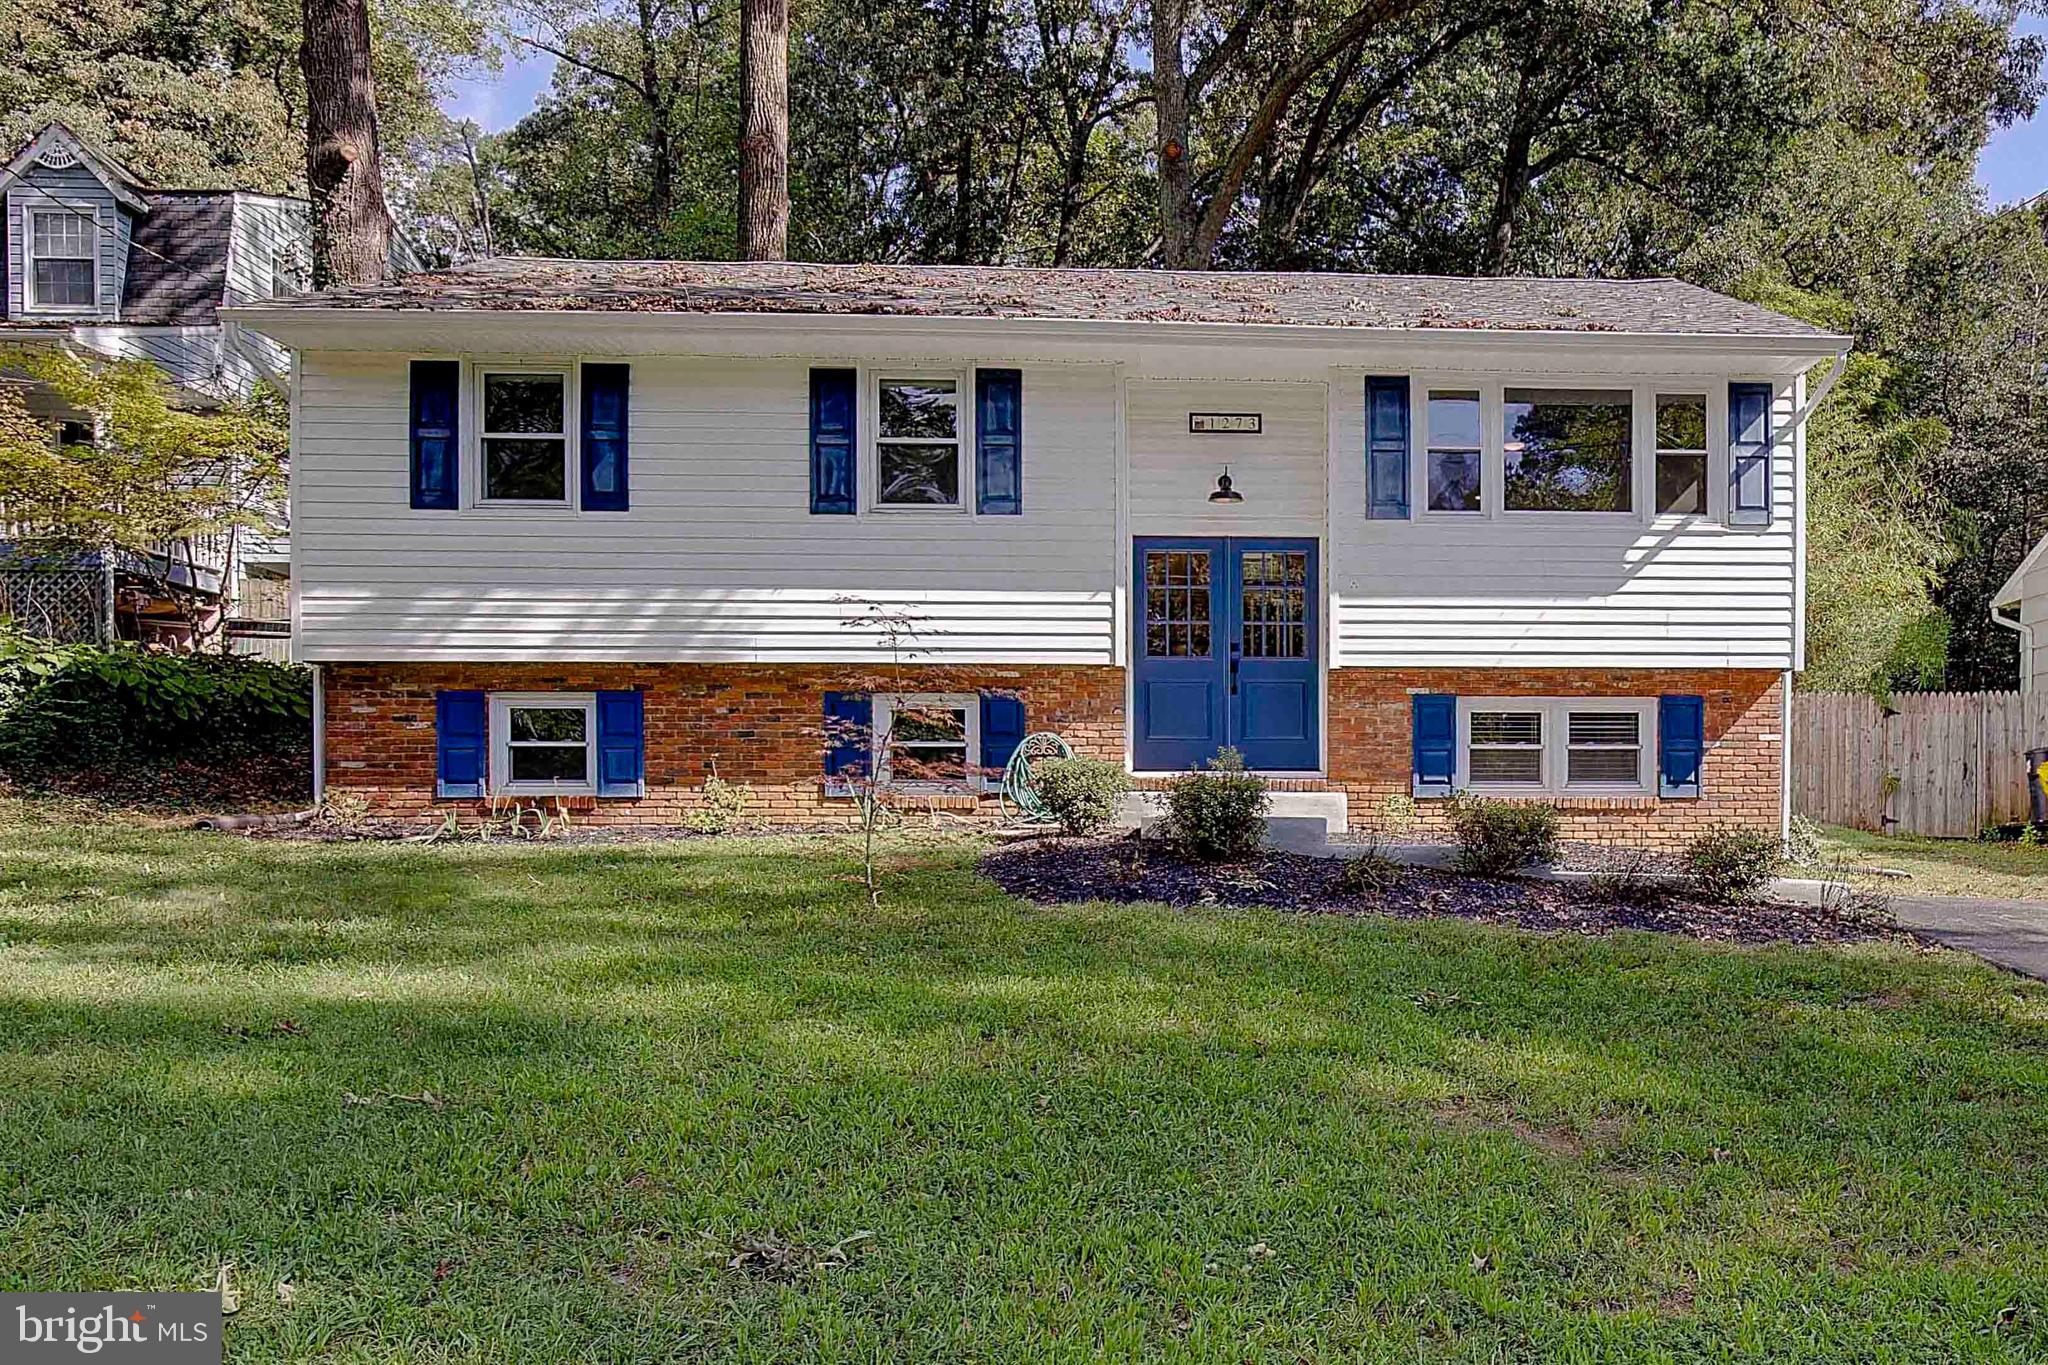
1301, 822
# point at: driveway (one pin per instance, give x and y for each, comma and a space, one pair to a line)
2013, 934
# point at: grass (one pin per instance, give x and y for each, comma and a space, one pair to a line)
694, 1101
1944, 867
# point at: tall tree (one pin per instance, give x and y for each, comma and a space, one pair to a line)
1196, 204
764, 130
344, 171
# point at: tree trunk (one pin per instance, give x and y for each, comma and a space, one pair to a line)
764, 130
661, 189
351, 226
1170, 111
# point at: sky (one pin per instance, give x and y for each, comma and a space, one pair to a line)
2013, 167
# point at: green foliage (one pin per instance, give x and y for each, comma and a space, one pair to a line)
1371, 872
83, 707
160, 480
1217, 815
1081, 792
1804, 842
1733, 862
210, 96
724, 806
1499, 837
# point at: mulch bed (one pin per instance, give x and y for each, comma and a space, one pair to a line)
265, 781
1126, 870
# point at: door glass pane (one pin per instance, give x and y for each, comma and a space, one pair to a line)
1274, 604
1177, 618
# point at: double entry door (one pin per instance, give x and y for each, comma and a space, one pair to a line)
1225, 653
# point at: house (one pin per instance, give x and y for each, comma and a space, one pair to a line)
2021, 606
588, 529
95, 261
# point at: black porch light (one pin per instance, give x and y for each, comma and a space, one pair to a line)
1224, 492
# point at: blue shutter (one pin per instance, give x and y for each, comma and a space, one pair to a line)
436, 447
999, 442
1681, 745
621, 744
1436, 744
605, 389
832, 442
849, 735
461, 743
1002, 730
1749, 455
1386, 448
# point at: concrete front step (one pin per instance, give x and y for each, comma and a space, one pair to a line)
1296, 820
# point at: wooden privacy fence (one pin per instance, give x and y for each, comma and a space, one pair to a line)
1944, 764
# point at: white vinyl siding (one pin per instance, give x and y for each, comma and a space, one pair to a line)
1283, 472
1563, 590
719, 558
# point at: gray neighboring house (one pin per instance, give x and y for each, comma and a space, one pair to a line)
98, 262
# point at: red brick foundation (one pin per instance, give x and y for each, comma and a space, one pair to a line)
762, 725
1371, 729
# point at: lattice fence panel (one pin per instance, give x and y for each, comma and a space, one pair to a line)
55, 604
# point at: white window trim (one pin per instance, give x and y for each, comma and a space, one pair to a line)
29, 302
887, 704
1556, 741
1642, 454
473, 456
872, 379
502, 704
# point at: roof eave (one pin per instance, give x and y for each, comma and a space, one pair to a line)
281, 322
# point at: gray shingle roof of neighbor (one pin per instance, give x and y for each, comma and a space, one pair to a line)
178, 262
1656, 306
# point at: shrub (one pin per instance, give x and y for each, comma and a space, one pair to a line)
1802, 842
1632, 880
1732, 862
1498, 837
725, 805
71, 708
1218, 816
1080, 792
1370, 872
1398, 814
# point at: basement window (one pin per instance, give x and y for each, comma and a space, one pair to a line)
544, 743
1548, 746
926, 741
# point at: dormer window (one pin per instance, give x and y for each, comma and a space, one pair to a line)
63, 260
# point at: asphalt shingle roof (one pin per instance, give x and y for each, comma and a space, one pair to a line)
1662, 306
178, 262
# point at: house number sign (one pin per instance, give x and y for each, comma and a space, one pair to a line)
1237, 423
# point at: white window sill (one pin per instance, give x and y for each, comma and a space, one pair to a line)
540, 789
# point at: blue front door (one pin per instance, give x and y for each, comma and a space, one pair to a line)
1225, 652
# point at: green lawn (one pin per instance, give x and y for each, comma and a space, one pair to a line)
1944, 867
532, 1103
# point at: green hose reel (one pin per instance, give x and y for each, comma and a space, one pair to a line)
1021, 800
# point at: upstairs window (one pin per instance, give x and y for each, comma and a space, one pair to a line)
1455, 456
1682, 453
525, 436
1566, 450
918, 450
63, 259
